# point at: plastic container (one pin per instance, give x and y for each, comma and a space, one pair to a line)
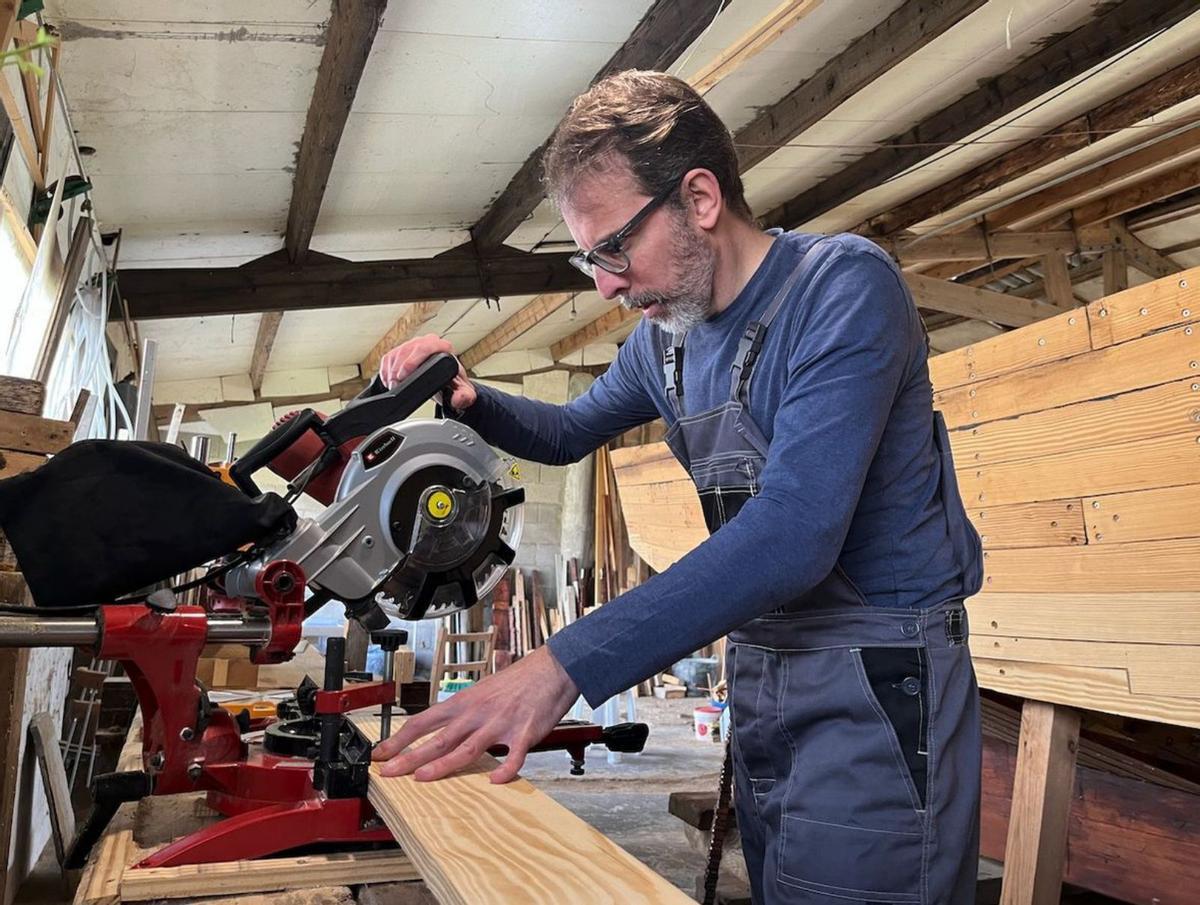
708, 723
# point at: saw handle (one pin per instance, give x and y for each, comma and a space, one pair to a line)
373, 408
377, 406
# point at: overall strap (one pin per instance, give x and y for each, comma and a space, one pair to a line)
751, 342
672, 366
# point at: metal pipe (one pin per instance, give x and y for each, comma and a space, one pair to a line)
199, 448
59, 631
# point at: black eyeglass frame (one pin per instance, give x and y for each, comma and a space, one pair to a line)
586, 261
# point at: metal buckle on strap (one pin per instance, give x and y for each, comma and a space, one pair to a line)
748, 348
673, 370
955, 626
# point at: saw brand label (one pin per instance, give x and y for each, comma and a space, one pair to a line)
380, 449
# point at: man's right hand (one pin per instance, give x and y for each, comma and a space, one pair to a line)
407, 357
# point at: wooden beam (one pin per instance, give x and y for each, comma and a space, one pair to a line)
345, 391
1035, 854
1081, 274
348, 40
1150, 261
973, 245
911, 27
1141, 194
1146, 100
405, 328
520, 322
1057, 278
768, 30
664, 33
475, 842
593, 332
1115, 29
264, 341
48, 119
970, 301
1115, 270
200, 292
1035, 209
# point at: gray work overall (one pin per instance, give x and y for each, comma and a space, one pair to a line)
856, 734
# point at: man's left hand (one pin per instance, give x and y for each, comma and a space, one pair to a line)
516, 707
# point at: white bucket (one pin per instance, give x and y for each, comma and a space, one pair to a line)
708, 723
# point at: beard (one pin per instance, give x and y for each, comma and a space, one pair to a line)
689, 301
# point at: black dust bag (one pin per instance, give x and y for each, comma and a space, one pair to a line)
105, 518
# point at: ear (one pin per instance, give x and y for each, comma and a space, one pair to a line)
702, 195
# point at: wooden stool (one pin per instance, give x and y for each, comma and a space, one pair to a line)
444, 663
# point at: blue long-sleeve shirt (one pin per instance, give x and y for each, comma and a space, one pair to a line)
841, 391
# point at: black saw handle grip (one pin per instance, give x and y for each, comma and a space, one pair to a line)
373, 408
377, 406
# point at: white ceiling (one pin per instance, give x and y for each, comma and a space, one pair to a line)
196, 110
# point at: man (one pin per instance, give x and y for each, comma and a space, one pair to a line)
792, 371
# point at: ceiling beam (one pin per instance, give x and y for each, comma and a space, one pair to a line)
520, 322
199, 292
264, 341
1114, 30
870, 56
345, 391
407, 326
593, 332
348, 39
1037, 289
766, 32
975, 245
1148, 99
1157, 188
1150, 261
664, 33
970, 301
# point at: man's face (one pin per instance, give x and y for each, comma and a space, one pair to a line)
671, 263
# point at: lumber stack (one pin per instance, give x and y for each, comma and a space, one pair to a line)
1077, 445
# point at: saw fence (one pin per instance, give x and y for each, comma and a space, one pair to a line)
1077, 446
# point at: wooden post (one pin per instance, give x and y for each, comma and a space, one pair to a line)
1116, 271
1035, 853
1057, 280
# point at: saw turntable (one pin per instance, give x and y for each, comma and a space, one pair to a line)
422, 519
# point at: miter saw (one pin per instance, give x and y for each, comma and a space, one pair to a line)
422, 518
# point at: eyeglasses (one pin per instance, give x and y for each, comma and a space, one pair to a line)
610, 254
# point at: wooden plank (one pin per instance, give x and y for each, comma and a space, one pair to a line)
1091, 688
1058, 281
1135, 106
30, 433
1128, 617
405, 328
514, 326
654, 471
1160, 514
1116, 271
240, 877
204, 292
973, 245
1114, 29
348, 40
764, 33
1054, 338
1055, 523
476, 843
1121, 467
14, 664
1156, 188
1128, 839
100, 883
1160, 358
43, 735
1146, 309
1035, 854
15, 463
1172, 565
264, 341
22, 130
660, 38
628, 456
912, 26
593, 332
970, 301
1161, 411
20, 395
1149, 261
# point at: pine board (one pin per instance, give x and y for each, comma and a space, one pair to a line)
1090, 688
1159, 411
240, 877
18, 394
1144, 515
1161, 358
1096, 568
1137, 465
1145, 309
1133, 618
30, 433
1047, 340
1055, 523
475, 843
